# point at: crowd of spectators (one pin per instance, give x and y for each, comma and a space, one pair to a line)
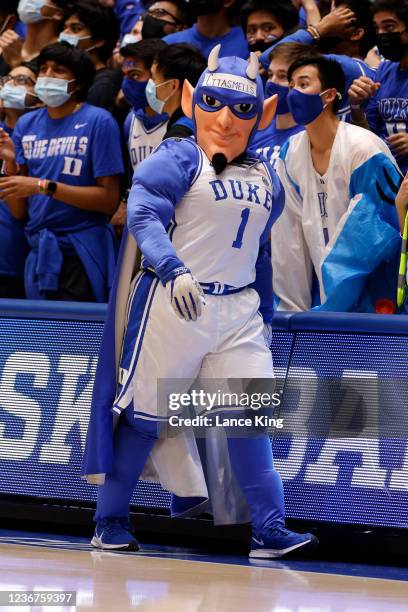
88, 89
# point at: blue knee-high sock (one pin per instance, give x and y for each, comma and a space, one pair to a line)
252, 462
132, 445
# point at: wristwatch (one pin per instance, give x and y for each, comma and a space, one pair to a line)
51, 188
47, 187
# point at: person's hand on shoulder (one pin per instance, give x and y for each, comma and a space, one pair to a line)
336, 23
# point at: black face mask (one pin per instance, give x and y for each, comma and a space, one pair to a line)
153, 28
204, 7
391, 46
260, 45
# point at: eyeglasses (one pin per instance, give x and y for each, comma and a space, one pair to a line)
19, 79
159, 13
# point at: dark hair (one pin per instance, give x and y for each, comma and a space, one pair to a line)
362, 11
399, 7
234, 10
181, 61
145, 50
76, 60
283, 11
64, 6
183, 9
100, 20
330, 75
8, 7
292, 51
31, 65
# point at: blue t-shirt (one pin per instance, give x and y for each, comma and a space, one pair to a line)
232, 43
13, 246
75, 150
267, 143
387, 111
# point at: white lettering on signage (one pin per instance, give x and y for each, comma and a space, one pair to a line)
72, 408
21, 405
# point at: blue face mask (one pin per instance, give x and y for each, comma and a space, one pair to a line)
53, 92
151, 95
29, 11
71, 39
273, 88
13, 97
135, 92
305, 108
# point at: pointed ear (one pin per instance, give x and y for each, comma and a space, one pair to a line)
269, 110
187, 99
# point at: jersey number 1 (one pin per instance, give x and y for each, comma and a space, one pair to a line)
237, 244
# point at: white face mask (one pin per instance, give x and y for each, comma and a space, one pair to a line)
29, 11
129, 39
53, 92
151, 95
13, 96
72, 39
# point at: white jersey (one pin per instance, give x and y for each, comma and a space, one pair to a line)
141, 141
219, 222
319, 228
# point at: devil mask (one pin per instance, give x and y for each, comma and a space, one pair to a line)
227, 106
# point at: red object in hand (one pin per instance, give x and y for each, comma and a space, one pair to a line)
385, 306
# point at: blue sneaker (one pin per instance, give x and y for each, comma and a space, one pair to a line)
114, 534
279, 541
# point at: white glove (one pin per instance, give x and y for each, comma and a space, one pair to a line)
186, 296
267, 334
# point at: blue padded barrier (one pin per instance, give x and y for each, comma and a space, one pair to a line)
48, 356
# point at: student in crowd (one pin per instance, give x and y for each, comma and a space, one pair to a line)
264, 22
43, 20
337, 225
152, 63
95, 29
344, 35
69, 158
144, 128
268, 142
165, 17
213, 27
172, 66
11, 32
160, 19
16, 97
386, 113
